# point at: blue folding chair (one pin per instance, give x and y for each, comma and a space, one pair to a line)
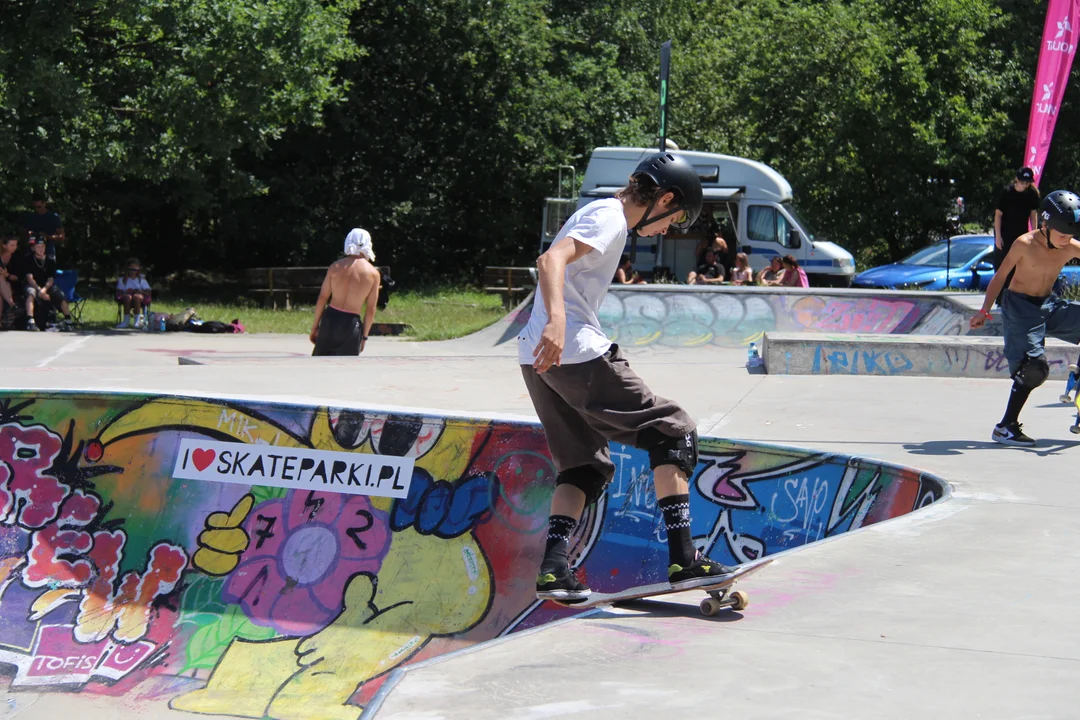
65, 282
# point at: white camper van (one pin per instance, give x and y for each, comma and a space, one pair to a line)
747, 201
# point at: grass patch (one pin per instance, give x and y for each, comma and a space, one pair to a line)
435, 315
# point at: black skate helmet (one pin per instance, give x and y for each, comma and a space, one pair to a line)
1060, 210
671, 171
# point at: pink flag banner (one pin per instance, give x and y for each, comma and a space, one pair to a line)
1055, 61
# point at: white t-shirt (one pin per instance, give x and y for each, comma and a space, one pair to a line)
130, 284
602, 226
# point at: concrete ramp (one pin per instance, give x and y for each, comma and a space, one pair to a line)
890, 355
256, 559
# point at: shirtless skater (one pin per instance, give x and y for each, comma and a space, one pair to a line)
582, 388
351, 287
1029, 309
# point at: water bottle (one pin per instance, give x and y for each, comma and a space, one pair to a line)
753, 358
161, 322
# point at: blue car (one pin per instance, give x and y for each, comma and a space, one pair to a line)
970, 268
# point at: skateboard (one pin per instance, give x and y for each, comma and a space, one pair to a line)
719, 593
1075, 429
1070, 384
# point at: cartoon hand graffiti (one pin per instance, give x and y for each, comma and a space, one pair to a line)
223, 540
348, 583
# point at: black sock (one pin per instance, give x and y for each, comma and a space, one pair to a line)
557, 550
1017, 398
676, 509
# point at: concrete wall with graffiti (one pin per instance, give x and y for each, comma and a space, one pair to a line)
683, 317
253, 559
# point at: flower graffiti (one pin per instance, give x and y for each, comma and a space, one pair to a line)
304, 550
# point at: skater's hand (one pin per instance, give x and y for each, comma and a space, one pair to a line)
314, 335
977, 321
997, 242
548, 351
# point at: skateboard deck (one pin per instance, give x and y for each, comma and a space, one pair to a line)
1075, 429
1070, 385
719, 593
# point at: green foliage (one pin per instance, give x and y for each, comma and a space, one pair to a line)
215, 623
219, 134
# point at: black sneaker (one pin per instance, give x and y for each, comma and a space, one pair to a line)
562, 586
703, 571
1011, 434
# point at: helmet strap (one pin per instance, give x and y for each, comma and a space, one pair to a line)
647, 219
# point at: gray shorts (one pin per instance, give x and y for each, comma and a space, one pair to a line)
1027, 320
585, 405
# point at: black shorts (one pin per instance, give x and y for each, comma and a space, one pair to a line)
339, 333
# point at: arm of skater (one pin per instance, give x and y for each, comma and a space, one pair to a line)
997, 282
551, 267
320, 306
369, 309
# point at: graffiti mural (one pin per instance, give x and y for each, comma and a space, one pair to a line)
262, 560
683, 319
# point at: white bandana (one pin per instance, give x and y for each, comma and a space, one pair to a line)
358, 242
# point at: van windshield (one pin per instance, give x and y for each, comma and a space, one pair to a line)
799, 220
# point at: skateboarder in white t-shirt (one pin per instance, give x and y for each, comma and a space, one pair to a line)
582, 388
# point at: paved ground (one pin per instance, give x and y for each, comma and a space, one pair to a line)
964, 610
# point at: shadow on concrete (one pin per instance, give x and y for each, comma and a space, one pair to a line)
958, 447
664, 608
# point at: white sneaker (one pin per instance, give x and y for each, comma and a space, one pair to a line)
139, 321
126, 322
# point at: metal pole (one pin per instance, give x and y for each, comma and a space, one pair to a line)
665, 69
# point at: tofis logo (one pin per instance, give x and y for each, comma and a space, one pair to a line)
293, 468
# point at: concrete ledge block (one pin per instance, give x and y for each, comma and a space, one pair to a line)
798, 353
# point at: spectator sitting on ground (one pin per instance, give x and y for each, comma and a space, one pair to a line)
710, 272
133, 292
44, 223
794, 276
39, 272
9, 277
772, 273
742, 274
351, 286
625, 274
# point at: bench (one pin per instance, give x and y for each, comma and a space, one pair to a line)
511, 282
290, 283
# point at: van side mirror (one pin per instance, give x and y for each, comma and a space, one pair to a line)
794, 239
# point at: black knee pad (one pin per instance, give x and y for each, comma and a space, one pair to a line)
667, 450
1032, 372
587, 479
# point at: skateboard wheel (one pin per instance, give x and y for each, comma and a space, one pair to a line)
709, 606
739, 600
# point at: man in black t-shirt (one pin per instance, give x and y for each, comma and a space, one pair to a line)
710, 272
39, 273
44, 223
1016, 208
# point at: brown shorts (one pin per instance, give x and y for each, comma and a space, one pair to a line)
584, 406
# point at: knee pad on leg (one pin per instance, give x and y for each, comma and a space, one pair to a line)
587, 479
1032, 372
681, 451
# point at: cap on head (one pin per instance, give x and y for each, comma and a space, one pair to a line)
671, 171
1025, 174
1060, 210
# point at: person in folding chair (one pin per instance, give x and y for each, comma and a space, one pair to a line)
133, 293
39, 273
